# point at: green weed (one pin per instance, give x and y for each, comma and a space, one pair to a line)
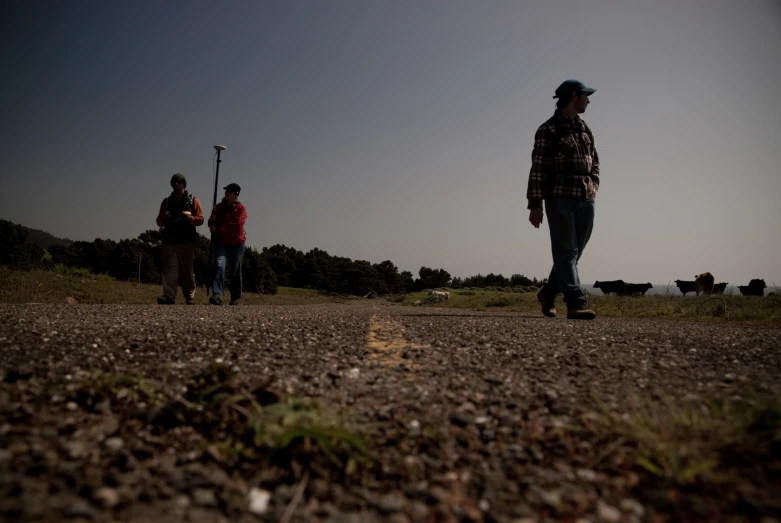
679, 441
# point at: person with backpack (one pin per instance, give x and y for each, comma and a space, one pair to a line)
227, 227
179, 215
565, 175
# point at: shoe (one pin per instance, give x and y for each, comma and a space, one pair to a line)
548, 309
234, 302
580, 312
165, 300
215, 300
190, 301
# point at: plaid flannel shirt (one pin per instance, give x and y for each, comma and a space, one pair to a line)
564, 161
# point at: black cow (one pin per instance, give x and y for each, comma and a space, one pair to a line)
609, 287
719, 288
637, 288
754, 288
686, 286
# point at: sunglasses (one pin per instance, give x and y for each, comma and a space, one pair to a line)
176, 183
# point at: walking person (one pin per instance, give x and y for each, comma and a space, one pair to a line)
179, 215
565, 175
227, 227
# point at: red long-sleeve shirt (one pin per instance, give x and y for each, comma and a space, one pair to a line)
229, 220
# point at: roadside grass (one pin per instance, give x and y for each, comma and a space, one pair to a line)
55, 286
682, 442
97, 387
241, 421
722, 308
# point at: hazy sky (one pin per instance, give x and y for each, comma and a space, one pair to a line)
403, 130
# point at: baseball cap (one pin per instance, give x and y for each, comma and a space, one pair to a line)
233, 187
179, 177
573, 86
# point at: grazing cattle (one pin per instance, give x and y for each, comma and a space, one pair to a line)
686, 286
754, 288
443, 294
609, 287
637, 288
719, 288
704, 283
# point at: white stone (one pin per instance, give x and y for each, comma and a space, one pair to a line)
632, 506
107, 497
205, 497
586, 475
114, 444
608, 513
258, 500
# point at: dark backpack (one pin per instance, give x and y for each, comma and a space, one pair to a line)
188, 205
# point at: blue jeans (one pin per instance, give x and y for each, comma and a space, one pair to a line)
223, 253
570, 221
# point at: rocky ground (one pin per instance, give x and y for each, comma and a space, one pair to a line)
372, 412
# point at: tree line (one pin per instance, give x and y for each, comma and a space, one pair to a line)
140, 259
495, 280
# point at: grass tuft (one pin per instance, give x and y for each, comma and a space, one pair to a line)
111, 389
252, 422
679, 441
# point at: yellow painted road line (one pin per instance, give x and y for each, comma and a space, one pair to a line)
387, 344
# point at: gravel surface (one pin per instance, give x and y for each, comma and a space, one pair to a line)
467, 416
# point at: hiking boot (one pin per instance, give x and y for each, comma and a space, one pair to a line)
580, 312
190, 301
165, 300
548, 308
215, 300
234, 302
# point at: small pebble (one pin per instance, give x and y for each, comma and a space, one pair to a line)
80, 509
204, 497
586, 475
114, 444
633, 507
258, 500
608, 513
107, 497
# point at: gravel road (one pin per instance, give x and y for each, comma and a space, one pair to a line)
467, 414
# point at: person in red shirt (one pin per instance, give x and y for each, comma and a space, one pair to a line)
227, 227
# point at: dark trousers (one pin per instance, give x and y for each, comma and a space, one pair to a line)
178, 259
571, 221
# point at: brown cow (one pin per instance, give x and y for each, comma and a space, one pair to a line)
704, 283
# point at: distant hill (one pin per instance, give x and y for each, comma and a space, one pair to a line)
44, 239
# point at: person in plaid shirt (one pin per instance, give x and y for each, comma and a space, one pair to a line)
565, 174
